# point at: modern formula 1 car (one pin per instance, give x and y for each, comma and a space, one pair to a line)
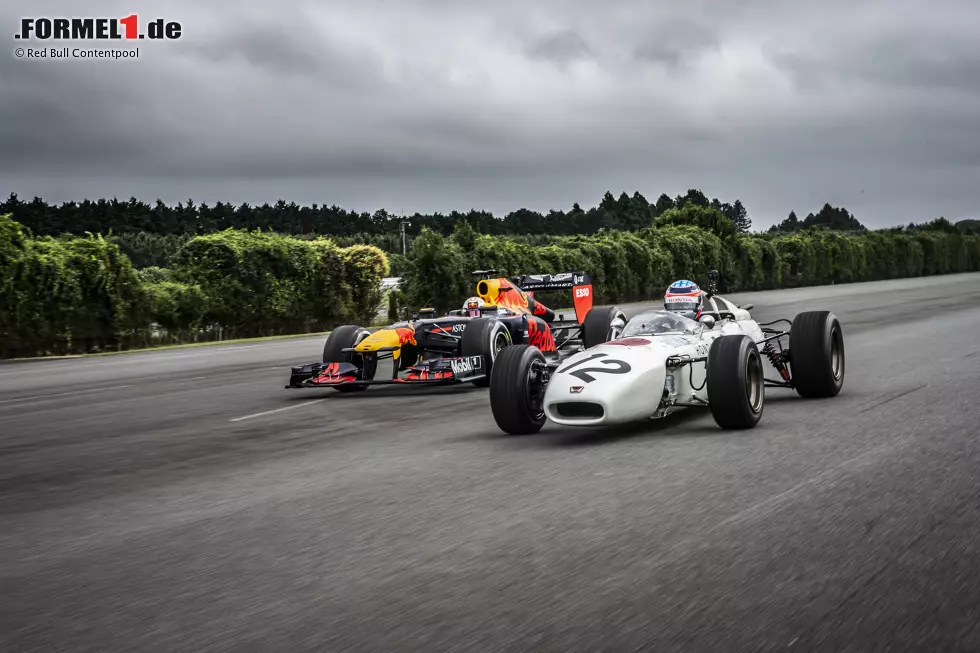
463, 348
663, 362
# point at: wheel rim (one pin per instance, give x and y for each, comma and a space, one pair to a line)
535, 391
499, 342
754, 384
836, 354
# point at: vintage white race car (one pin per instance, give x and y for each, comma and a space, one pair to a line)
661, 361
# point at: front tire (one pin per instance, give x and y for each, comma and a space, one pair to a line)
345, 337
736, 382
816, 345
485, 337
597, 327
516, 390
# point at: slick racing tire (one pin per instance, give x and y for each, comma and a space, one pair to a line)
736, 382
816, 350
597, 327
516, 390
344, 337
487, 337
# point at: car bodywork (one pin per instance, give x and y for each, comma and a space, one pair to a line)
644, 373
434, 350
663, 362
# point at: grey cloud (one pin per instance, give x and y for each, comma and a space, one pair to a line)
270, 47
562, 47
890, 62
672, 41
292, 47
47, 115
434, 105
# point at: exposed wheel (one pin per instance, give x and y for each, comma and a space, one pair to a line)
736, 382
517, 390
598, 327
816, 349
344, 337
487, 337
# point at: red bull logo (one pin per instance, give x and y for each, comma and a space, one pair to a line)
540, 336
406, 336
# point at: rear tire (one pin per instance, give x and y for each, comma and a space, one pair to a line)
736, 382
816, 346
515, 401
344, 337
486, 337
597, 326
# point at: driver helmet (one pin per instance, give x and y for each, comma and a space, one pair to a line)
473, 306
684, 297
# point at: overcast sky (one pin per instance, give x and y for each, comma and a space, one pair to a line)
426, 105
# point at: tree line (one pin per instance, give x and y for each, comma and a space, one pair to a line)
188, 219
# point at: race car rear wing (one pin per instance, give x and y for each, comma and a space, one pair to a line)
579, 282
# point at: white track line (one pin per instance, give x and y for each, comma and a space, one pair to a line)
277, 410
62, 394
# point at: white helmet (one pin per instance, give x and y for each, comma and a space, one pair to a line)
686, 298
472, 306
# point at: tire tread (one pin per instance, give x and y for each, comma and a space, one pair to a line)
508, 390
727, 367
811, 357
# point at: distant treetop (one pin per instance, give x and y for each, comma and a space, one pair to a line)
829, 217
626, 212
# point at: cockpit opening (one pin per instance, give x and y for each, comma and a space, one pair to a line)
653, 323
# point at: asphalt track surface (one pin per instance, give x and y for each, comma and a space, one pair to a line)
184, 501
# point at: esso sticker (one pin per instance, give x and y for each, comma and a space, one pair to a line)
582, 292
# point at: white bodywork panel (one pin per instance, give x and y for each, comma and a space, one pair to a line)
627, 378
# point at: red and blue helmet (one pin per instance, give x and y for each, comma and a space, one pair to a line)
686, 298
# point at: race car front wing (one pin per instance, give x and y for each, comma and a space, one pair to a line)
435, 371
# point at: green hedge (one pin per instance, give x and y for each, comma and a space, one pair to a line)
629, 266
62, 294
71, 295
261, 284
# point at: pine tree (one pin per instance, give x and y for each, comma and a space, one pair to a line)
741, 217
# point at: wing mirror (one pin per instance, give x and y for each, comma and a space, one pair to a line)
748, 307
708, 321
618, 323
